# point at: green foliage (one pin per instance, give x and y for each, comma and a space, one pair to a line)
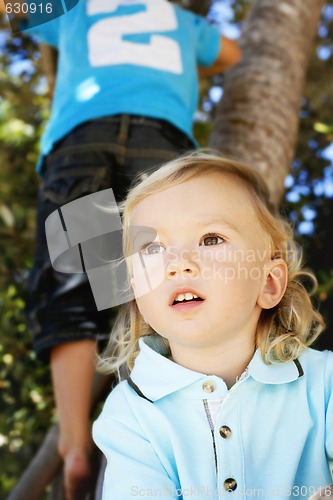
25, 392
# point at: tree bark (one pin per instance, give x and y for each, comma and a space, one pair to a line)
257, 118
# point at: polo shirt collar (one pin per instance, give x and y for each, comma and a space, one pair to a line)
157, 376
275, 373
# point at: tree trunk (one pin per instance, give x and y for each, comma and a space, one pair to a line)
257, 118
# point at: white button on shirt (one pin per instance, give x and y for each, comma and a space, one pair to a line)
208, 386
271, 436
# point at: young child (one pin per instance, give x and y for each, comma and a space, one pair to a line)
224, 397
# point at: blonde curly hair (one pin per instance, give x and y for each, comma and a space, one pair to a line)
284, 331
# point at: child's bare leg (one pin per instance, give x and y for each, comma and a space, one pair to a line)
72, 366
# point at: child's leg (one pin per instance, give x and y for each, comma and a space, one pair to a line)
73, 366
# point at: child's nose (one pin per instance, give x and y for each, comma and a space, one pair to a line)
182, 267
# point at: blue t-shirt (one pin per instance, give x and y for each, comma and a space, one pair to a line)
126, 56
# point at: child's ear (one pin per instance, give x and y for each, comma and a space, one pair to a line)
275, 284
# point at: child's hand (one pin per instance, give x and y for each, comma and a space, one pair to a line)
324, 492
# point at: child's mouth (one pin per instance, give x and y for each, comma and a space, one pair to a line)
186, 299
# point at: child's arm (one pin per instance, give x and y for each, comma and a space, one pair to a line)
134, 467
229, 55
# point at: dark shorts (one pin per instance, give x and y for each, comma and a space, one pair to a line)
100, 154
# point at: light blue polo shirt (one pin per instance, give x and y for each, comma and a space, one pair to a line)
279, 438
136, 57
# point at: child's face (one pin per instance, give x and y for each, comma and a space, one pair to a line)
210, 251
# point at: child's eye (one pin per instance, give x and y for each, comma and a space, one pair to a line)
211, 239
152, 248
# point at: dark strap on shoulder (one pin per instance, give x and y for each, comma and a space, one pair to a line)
137, 390
299, 368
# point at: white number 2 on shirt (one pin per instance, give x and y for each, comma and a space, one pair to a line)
107, 47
